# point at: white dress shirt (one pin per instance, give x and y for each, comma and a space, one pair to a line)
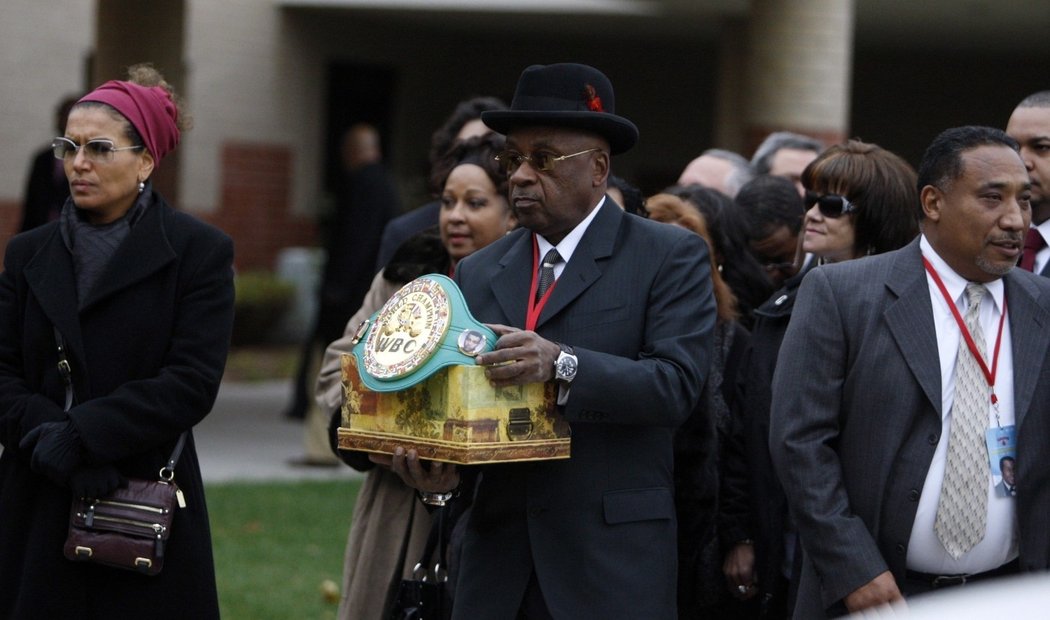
565, 249
568, 244
999, 546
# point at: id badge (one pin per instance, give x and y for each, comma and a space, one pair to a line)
1002, 458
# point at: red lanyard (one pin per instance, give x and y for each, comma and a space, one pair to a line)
989, 376
532, 314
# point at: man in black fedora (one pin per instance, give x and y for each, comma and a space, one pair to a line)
619, 311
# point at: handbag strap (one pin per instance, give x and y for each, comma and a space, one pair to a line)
64, 369
168, 471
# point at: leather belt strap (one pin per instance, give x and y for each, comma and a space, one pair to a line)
946, 581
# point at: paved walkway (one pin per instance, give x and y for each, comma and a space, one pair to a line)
246, 437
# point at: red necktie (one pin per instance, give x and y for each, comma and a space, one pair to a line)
1033, 242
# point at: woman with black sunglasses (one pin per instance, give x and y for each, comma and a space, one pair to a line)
861, 200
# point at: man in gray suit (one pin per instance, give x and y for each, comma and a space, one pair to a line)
625, 330
1030, 126
879, 404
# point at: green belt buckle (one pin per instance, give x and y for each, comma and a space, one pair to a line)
423, 328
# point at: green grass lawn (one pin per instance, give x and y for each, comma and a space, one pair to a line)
276, 544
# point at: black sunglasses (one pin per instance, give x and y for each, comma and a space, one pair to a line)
831, 205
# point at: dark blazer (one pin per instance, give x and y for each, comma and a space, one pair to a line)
598, 529
147, 350
857, 416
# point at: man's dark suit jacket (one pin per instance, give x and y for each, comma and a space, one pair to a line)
857, 416
598, 529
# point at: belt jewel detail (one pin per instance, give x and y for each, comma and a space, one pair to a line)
424, 327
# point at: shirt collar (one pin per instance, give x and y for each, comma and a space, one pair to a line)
955, 283
1044, 230
570, 241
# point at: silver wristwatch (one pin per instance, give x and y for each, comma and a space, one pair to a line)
566, 364
436, 498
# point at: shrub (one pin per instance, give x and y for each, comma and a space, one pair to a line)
262, 300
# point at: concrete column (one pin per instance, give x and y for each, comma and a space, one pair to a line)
729, 130
129, 32
799, 68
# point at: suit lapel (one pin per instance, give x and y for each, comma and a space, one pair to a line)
1029, 336
145, 251
910, 321
511, 284
583, 269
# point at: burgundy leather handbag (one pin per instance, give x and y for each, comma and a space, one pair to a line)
129, 527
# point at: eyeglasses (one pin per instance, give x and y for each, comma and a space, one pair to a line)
831, 205
98, 151
783, 267
540, 162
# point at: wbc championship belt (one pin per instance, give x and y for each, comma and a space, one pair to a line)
423, 328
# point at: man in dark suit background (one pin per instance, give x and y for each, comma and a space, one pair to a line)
866, 396
626, 332
1030, 126
366, 199
46, 186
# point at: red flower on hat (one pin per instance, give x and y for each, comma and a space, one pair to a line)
594, 102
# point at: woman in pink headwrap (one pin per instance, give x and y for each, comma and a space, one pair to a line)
142, 296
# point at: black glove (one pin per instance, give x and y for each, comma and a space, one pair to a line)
96, 481
56, 450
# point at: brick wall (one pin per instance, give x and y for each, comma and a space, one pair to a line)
255, 207
10, 220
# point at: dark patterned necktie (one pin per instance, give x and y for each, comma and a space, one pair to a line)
550, 259
962, 510
1033, 242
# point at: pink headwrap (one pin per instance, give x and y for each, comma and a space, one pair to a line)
149, 109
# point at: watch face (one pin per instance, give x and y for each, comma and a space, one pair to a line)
566, 367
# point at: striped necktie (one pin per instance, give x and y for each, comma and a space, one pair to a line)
550, 259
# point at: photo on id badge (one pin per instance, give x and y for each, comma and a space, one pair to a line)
1002, 457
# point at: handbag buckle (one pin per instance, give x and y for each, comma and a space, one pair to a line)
83, 552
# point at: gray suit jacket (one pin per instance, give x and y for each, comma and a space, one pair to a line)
598, 529
856, 418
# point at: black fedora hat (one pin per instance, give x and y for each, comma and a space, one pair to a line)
566, 95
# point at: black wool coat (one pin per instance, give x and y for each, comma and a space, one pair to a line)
147, 349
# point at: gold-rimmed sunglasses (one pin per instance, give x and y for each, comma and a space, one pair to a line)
542, 161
